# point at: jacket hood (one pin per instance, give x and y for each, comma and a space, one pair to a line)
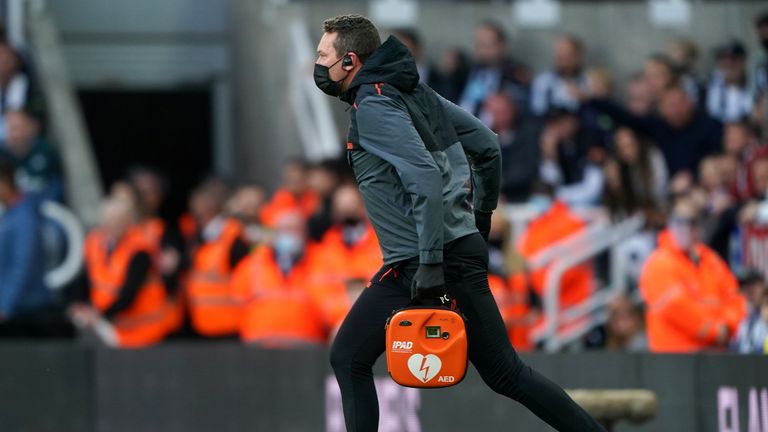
391, 63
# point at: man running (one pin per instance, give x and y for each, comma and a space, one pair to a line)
409, 149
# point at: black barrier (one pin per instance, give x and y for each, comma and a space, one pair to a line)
45, 388
227, 387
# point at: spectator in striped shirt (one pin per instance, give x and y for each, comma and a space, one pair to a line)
550, 88
729, 98
493, 71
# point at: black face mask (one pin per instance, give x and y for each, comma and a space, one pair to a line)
324, 82
350, 221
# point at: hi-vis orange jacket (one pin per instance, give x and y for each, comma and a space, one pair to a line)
686, 302
334, 265
154, 229
212, 309
280, 309
554, 225
283, 201
145, 322
361, 261
511, 295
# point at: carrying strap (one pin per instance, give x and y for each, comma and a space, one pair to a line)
438, 299
443, 301
418, 304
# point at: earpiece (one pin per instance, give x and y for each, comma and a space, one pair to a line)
346, 61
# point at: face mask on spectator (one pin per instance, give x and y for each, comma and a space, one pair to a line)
540, 203
682, 232
352, 230
288, 245
351, 221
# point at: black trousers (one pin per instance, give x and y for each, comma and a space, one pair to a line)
361, 340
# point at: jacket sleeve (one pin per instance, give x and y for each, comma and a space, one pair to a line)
482, 147
238, 252
665, 296
24, 262
734, 304
138, 268
386, 130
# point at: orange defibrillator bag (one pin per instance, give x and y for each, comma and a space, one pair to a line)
426, 347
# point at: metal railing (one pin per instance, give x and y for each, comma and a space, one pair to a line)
83, 184
520, 215
563, 327
66, 271
68, 227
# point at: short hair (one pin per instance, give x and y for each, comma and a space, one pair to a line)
574, 40
664, 60
501, 35
139, 170
688, 46
669, 64
7, 172
356, 34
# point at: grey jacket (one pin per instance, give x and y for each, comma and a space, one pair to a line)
422, 163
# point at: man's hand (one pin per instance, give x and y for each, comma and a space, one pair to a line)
483, 223
723, 334
429, 281
169, 261
83, 315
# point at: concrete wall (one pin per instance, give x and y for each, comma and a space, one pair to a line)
241, 49
618, 34
266, 133
144, 42
145, 45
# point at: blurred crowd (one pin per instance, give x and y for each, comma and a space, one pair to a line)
277, 272
686, 150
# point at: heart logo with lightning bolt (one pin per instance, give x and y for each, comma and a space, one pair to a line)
424, 367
